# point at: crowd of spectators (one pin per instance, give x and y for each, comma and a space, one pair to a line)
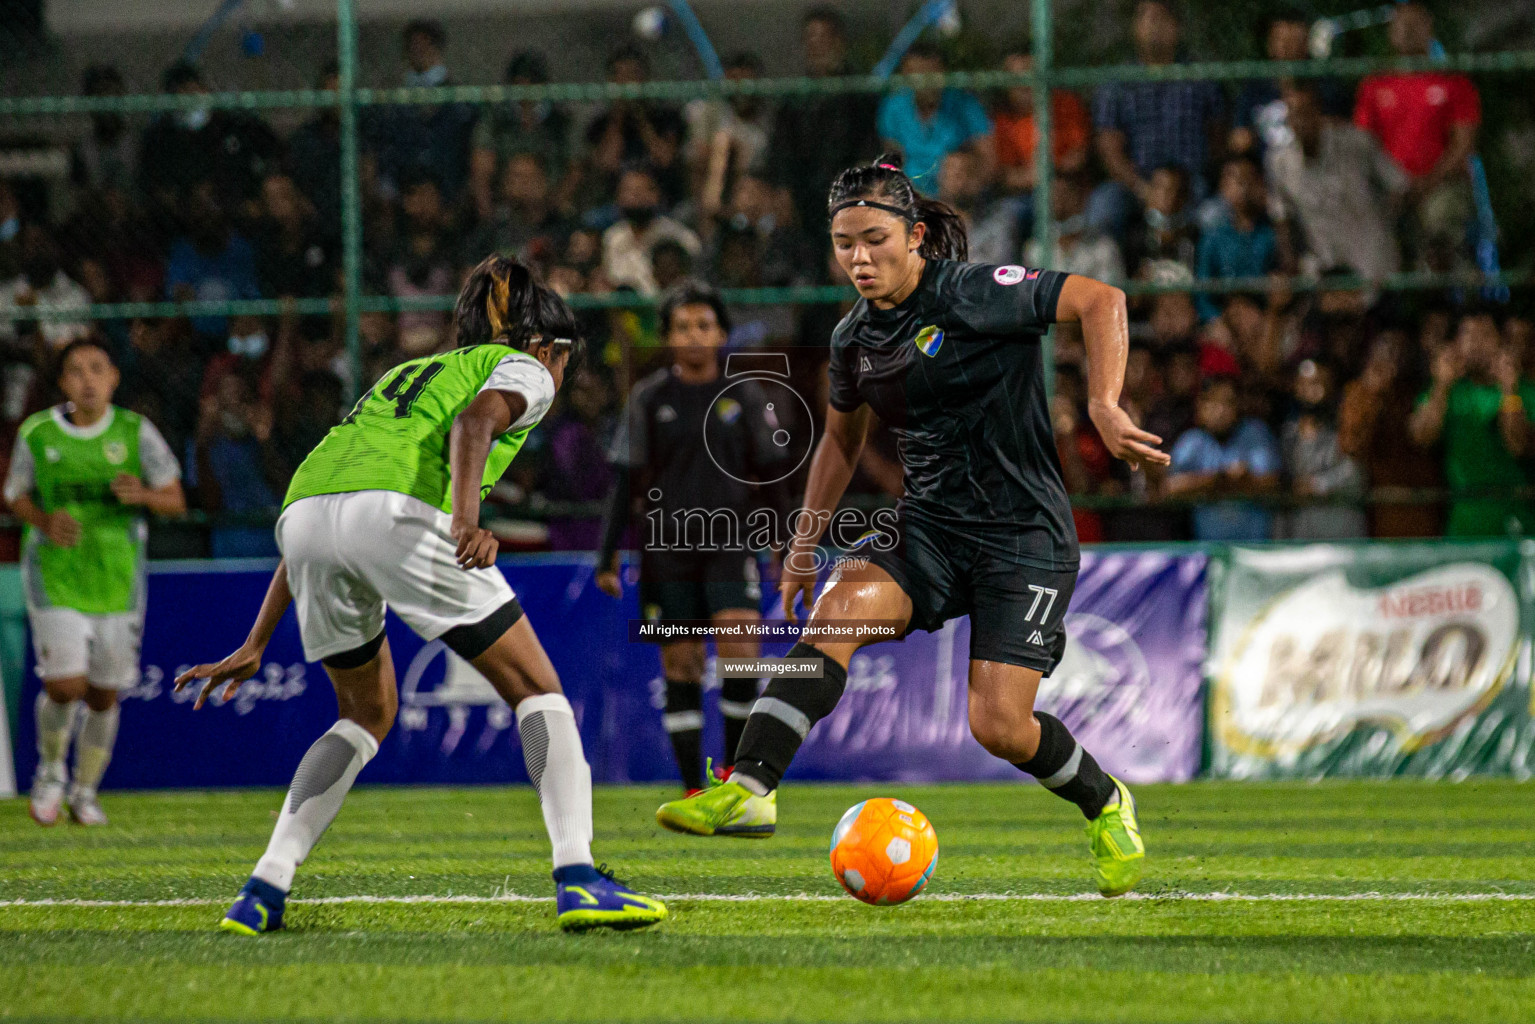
1282, 409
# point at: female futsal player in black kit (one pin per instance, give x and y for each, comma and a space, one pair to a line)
947, 353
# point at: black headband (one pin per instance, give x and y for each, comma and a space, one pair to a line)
908, 215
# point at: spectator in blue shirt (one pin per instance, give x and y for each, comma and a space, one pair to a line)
1141, 126
211, 263
1229, 458
1244, 243
926, 125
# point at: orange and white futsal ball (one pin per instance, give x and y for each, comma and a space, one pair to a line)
884, 851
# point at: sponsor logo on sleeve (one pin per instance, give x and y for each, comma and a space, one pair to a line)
1013, 274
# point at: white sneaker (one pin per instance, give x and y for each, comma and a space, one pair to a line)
85, 809
47, 796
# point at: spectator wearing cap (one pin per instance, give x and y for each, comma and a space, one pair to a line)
1427, 121
408, 141
925, 125
181, 149
815, 138
628, 246
538, 128
1141, 126
1339, 187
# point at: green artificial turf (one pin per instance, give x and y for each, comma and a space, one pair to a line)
1165, 958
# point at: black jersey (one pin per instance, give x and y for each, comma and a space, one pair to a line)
955, 371
699, 446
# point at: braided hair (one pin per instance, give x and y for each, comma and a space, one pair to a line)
884, 186
502, 303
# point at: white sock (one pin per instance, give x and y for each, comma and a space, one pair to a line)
750, 784
53, 724
551, 748
324, 777
93, 747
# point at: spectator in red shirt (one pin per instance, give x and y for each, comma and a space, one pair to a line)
1016, 134
1427, 121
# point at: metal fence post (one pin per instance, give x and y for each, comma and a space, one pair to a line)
1044, 159
351, 203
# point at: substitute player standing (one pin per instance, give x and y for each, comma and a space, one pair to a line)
685, 574
82, 474
947, 353
385, 512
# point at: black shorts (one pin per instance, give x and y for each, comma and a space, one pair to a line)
1017, 612
697, 584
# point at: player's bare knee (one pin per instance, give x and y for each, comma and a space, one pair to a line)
99, 699
683, 661
66, 691
1003, 731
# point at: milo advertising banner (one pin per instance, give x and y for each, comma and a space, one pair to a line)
1379, 659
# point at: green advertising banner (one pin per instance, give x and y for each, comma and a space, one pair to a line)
1372, 660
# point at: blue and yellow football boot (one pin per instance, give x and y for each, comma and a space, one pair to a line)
259, 909
588, 897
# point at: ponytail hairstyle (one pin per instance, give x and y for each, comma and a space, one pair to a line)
501, 303
884, 186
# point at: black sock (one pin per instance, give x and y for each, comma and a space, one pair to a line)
684, 722
1063, 766
736, 699
782, 718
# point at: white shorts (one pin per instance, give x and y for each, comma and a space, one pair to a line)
352, 555
102, 648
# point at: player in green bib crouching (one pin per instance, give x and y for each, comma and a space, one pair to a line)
385, 513
82, 474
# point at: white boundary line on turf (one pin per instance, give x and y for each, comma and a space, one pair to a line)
806, 897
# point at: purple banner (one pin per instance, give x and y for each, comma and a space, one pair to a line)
1129, 686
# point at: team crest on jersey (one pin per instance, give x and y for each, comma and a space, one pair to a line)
1012, 274
116, 452
929, 340
51, 453
665, 414
728, 410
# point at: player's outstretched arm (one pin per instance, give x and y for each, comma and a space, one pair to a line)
489, 416
1100, 309
831, 468
243, 663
